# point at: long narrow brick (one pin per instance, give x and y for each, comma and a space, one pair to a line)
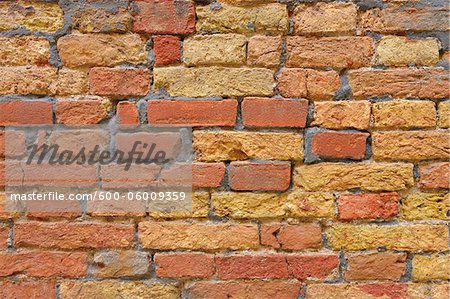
342, 115
368, 206
291, 237
376, 266
25, 112
260, 176
368, 290
43, 289
184, 265
119, 82
26, 50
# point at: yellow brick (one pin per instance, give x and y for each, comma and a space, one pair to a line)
404, 114
86, 50
418, 206
440, 291
426, 268
410, 146
199, 208
25, 50
302, 204
229, 145
118, 289
35, 16
401, 51
214, 81
344, 176
220, 49
269, 18
444, 114
264, 51
248, 205
334, 17
94, 19
414, 238
342, 114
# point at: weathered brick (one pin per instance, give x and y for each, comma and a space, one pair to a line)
42, 81
164, 17
35, 16
344, 176
316, 85
198, 113
291, 237
376, 266
440, 291
198, 236
184, 265
217, 49
313, 267
335, 52
208, 175
266, 112
342, 115
396, 18
116, 289
424, 206
435, 175
44, 289
271, 266
228, 145
325, 18
43, 263
264, 51
404, 114
426, 268
444, 114
82, 110
25, 112
301, 204
400, 82
244, 289
413, 237
269, 18
200, 206
167, 49
248, 205
119, 82
4, 230
127, 113
411, 146
72, 235
93, 18
401, 51
339, 145
368, 291
87, 50
120, 263
214, 81
368, 206
25, 50
260, 176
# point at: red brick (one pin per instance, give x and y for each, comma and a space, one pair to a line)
376, 266
251, 266
368, 206
81, 111
4, 232
25, 112
192, 112
73, 235
339, 145
244, 289
336, 52
127, 113
164, 17
291, 237
167, 49
119, 82
322, 266
184, 265
27, 289
207, 175
292, 83
16, 143
436, 175
43, 264
260, 176
265, 112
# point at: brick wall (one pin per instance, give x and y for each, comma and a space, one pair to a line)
321, 139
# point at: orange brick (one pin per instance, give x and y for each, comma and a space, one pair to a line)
207, 175
119, 82
252, 266
25, 112
184, 265
81, 111
192, 112
264, 112
339, 145
317, 266
376, 266
291, 237
368, 206
260, 176
167, 49
4, 233
28, 289
436, 175
127, 113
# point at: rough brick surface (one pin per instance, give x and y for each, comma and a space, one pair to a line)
26, 50
435, 175
260, 176
376, 266
342, 115
368, 206
167, 49
339, 145
119, 82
